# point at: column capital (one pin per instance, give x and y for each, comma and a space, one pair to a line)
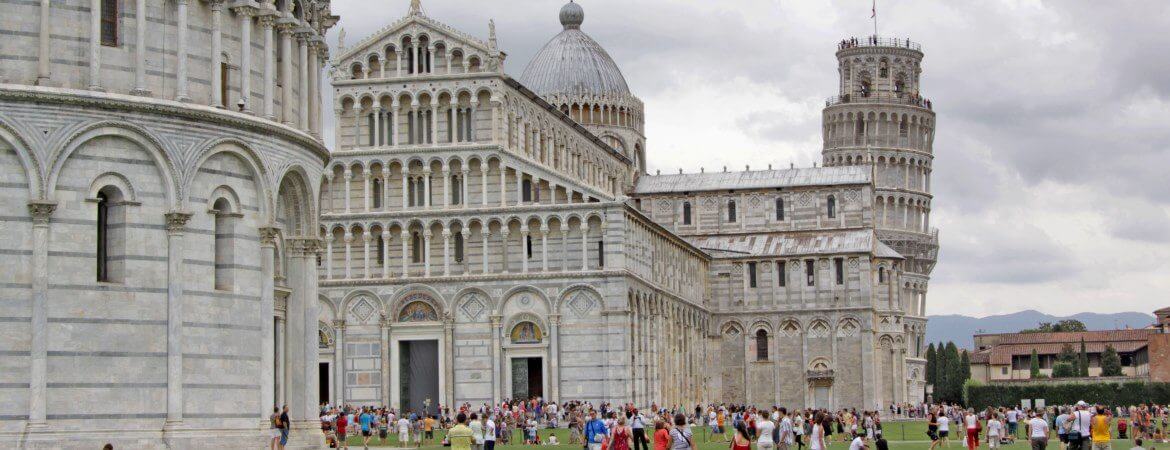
41, 210
268, 236
405, 235
347, 237
244, 8
216, 5
339, 324
465, 233
176, 221
386, 235
367, 237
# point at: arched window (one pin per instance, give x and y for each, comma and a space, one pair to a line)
376, 192
731, 211
884, 68
422, 192
881, 275
456, 189
528, 245
458, 247
372, 127
111, 235
865, 88
686, 213
779, 209
224, 255
381, 250
416, 247
526, 190
831, 207
110, 23
410, 195
761, 345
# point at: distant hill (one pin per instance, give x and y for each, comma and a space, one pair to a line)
960, 328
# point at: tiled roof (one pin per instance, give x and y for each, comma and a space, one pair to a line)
1002, 354
789, 244
754, 179
1073, 336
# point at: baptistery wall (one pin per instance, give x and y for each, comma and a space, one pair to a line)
159, 245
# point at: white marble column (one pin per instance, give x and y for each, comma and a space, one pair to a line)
497, 381
504, 184
175, 226
286, 75
394, 124
446, 252
348, 175
302, 341
504, 248
544, 248
378, 132
268, 238
44, 39
281, 360
339, 362
366, 238
405, 189
463, 187
554, 363
213, 70
245, 14
485, 255
434, 123
38, 356
426, 238
584, 246
266, 23
483, 177
329, 256
95, 41
386, 188
386, 253
303, 78
426, 185
315, 56
367, 178
564, 247
446, 176
347, 239
405, 235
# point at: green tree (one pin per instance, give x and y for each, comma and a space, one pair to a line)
1083, 361
931, 360
1058, 327
965, 365
954, 374
1066, 363
1110, 362
1034, 368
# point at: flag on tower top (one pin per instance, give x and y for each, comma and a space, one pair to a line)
873, 12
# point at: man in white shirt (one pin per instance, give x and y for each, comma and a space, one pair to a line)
858, 443
765, 427
1082, 419
489, 434
476, 432
1038, 432
994, 431
638, 424
944, 430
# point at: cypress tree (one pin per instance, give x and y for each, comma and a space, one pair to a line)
954, 373
1034, 368
931, 363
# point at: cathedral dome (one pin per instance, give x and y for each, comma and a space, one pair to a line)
573, 63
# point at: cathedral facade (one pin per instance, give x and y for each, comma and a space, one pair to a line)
490, 238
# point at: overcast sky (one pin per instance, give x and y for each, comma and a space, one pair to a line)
1053, 142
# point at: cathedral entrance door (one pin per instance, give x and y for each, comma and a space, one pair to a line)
821, 397
527, 378
418, 368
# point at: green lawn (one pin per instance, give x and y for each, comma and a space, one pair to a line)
902, 435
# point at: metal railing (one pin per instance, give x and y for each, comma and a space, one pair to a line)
875, 97
878, 41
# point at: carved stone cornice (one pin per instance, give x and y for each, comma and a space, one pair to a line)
303, 246
40, 211
176, 221
162, 107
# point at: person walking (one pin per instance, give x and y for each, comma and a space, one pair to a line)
681, 437
944, 430
622, 436
972, 422
284, 427
1078, 433
661, 436
638, 426
1038, 432
274, 429
784, 434
403, 426
595, 431
932, 429
460, 435
994, 431
741, 440
489, 434
816, 439
366, 421
764, 429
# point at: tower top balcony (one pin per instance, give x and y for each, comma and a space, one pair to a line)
897, 98
878, 41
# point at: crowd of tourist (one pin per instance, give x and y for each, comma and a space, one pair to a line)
606, 426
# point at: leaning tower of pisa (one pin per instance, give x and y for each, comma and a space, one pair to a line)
880, 118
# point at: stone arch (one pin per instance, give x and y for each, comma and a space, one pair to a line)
848, 326
33, 172
363, 306
116, 180
520, 318
294, 208
589, 299
136, 134
411, 293
518, 294
228, 194
471, 304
